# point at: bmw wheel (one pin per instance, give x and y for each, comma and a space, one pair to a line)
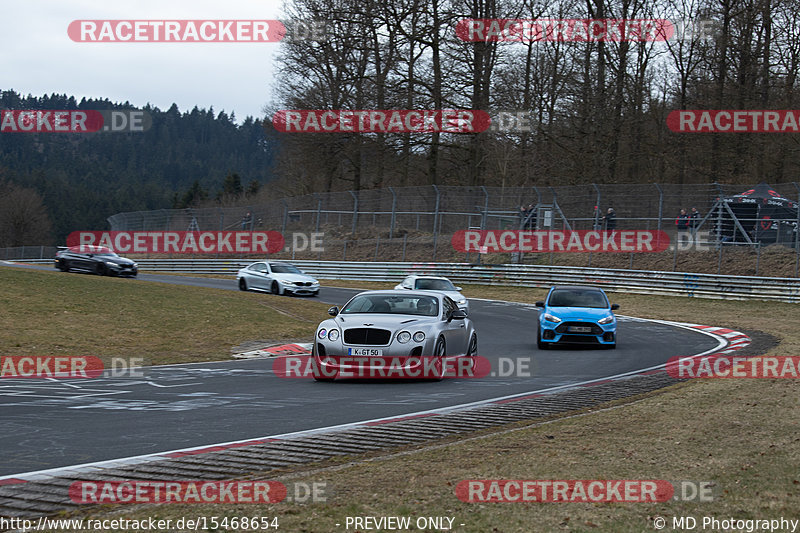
242, 284
100, 269
275, 288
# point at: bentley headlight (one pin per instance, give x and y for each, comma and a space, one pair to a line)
419, 336
333, 335
606, 320
322, 333
403, 337
551, 318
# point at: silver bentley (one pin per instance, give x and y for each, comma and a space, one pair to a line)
400, 329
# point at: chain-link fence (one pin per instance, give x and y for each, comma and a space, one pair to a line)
440, 210
17, 253
416, 223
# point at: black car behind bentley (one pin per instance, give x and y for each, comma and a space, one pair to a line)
96, 259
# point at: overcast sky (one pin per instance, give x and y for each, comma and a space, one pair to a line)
37, 56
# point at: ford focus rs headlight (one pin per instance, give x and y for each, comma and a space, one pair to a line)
333, 335
419, 336
462, 301
551, 318
606, 320
403, 337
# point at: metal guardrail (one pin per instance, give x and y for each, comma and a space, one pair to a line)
630, 281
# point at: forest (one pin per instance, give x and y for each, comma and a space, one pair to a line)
52, 183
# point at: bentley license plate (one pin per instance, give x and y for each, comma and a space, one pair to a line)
368, 352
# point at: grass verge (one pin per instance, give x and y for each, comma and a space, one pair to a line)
53, 313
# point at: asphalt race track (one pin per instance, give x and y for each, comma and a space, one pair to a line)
53, 423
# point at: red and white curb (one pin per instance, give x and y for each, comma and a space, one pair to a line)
728, 341
276, 350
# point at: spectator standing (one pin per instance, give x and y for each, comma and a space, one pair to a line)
682, 222
694, 219
247, 220
531, 217
610, 220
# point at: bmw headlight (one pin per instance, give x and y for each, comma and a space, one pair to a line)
606, 320
403, 337
333, 335
111, 263
285, 281
322, 333
551, 318
419, 336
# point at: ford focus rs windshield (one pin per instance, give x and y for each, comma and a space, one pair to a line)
577, 298
391, 304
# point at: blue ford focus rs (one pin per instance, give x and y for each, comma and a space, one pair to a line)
576, 315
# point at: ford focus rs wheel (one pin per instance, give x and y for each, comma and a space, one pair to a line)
541, 345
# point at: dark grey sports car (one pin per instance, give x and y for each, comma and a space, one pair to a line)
96, 259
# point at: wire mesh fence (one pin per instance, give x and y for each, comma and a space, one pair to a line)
445, 209
416, 223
